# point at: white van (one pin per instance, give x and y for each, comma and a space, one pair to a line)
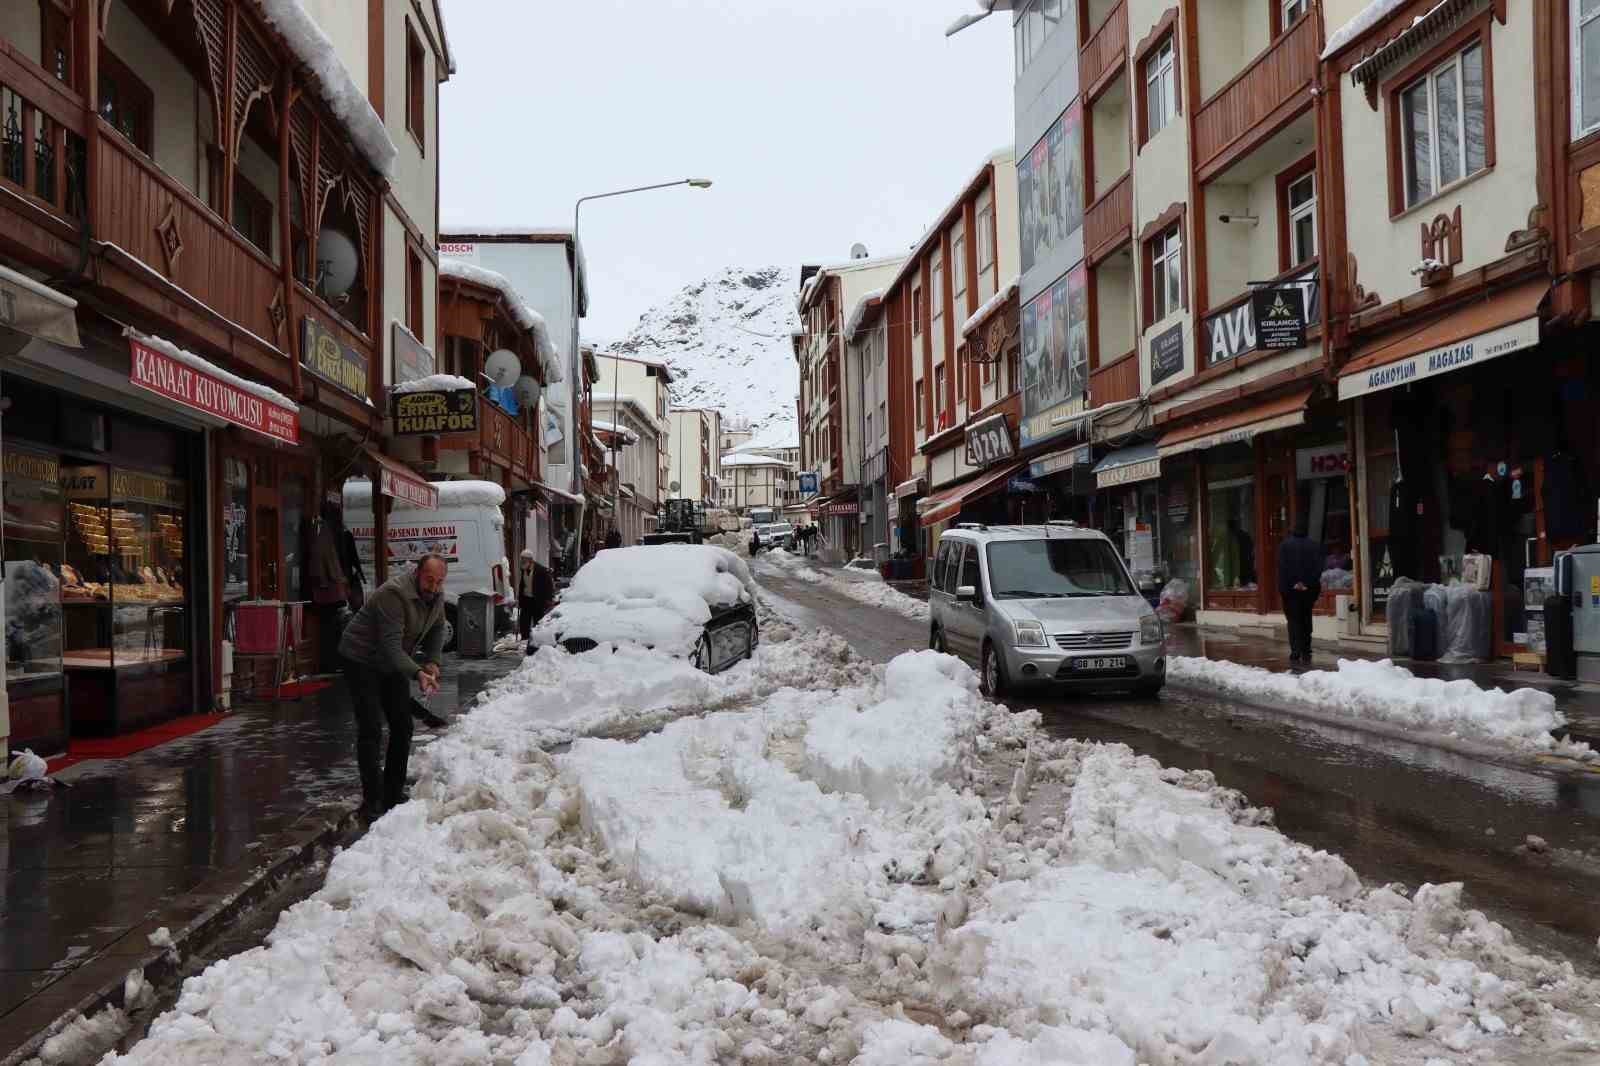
467, 528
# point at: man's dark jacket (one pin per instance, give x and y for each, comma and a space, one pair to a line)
1300, 562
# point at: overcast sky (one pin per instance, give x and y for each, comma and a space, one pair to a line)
822, 122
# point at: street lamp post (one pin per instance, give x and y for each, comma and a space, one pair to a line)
577, 355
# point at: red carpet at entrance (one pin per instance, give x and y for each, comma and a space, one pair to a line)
296, 689
83, 749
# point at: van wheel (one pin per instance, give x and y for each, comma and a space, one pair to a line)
992, 680
449, 627
936, 641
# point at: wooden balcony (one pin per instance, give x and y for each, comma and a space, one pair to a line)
1258, 100
503, 442
1109, 221
1115, 381
1105, 52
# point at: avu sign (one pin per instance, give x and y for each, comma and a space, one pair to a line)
1236, 330
989, 442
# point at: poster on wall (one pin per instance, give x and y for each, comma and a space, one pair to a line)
1050, 191
1055, 356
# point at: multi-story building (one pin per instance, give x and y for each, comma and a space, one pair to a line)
753, 479
630, 433
735, 432
694, 463
542, 265
647, 384
827, 409
231, 240
935, 389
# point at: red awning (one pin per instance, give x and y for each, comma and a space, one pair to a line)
947, 503
399, 481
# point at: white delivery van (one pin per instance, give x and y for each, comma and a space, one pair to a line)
467, 528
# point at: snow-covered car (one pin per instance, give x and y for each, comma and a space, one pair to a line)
694, 601
778, 535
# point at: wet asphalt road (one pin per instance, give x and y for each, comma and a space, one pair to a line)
1394, 811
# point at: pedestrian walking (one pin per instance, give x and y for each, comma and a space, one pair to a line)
613, 538
536, 593
755, 542
405, 611
1300, 562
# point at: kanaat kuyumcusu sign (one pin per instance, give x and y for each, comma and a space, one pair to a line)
435, 411
340, 365
194, 387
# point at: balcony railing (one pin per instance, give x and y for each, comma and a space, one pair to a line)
505, 443
1106, 50
1241, 110
1109, 220
42, 150
1115, 381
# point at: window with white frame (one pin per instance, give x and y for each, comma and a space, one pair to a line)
1443, 136
938, 390
916, 312
958, 268
985, 239
922, 396
1160, 89
1301, 205
1585, 62
883, 417
1166, 273
1289, 12
936, 290
1034, 24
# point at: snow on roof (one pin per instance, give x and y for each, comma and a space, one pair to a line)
172, 351
537, 234
611, 427
435, 383
1364, 20
752, 459
1007, 291
859, 313
999, 155
658, 595
338, 89
451, 494
847, 266
523, 315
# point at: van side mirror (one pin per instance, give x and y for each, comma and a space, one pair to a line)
967, 594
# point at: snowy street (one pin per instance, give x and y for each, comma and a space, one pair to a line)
819, 857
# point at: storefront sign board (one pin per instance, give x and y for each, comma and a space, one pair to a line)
32, 494
1234, 331
1166, 355
408, 490
808, 483
1065, 459
1435, 361
412, 359
1329, 460
407, 543
193, 387
435, 411
1129, 473
1235, 434
989, 442
841, 507
1279, 317
130, 486
338, 364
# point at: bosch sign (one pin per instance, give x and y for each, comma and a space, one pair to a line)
1329, 460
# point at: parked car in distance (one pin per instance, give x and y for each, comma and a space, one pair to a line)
668, 538
778, 535
1045, 603
694, 601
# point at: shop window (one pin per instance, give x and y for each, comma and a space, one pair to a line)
1231, 520
1444, 128
34, 523
126, 102
1585, 52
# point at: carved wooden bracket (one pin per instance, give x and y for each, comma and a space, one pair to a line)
1360, 298
1535, 233
171, 239
1441, 244
278, 312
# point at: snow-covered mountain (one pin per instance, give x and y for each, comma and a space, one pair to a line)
727, 341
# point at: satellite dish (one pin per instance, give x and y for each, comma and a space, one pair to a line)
858, 251
337, 262
503, 368
527, 390
673, 486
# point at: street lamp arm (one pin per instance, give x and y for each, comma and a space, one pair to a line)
699, 183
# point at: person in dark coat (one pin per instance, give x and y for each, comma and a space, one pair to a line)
378, 649
1300, 583
536, 593
613, 538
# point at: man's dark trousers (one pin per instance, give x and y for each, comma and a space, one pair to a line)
380, 696
1297, 605
526, 605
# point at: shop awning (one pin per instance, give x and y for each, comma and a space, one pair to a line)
1238, 427
914, 487
1505, 322
398, 481
560, 494
947, 503
1128, 465
161, 367
37, 310
1065, 459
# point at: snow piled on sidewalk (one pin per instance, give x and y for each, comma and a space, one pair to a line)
1522, 719
863, 588
850, 863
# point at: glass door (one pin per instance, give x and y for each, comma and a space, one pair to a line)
268, 572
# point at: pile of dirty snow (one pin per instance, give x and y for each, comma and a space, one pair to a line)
858, 585
1522, 720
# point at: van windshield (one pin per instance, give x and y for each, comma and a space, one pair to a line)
1050, 569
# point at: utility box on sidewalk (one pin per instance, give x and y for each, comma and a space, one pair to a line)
474, 625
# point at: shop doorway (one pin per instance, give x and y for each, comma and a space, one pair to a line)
1277, 506
266, 554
